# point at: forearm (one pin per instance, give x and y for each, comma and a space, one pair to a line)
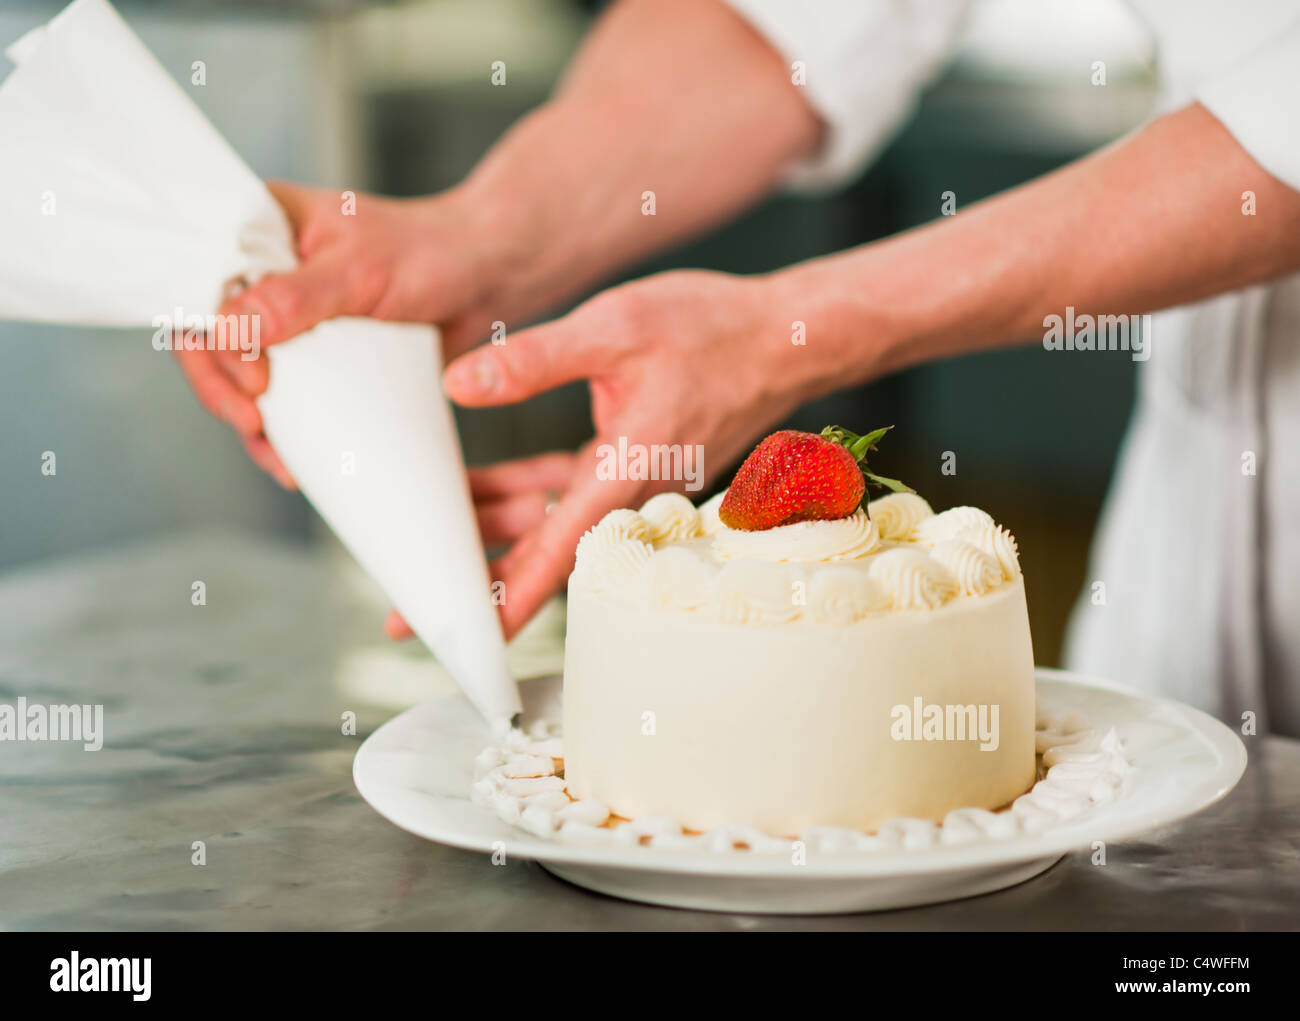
1153, 221
677, 97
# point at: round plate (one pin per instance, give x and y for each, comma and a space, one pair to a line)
416, 771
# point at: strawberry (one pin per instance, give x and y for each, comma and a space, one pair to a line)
796, 476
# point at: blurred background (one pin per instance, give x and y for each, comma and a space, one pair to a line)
395, 98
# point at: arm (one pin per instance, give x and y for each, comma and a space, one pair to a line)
680, 97
1153, 221
706, 359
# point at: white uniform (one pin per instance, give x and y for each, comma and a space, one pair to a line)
1200, 560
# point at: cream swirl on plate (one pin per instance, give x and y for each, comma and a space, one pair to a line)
849, 538
515, 777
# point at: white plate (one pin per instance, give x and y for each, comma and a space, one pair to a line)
416, 771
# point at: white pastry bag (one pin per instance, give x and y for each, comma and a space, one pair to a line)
121, 203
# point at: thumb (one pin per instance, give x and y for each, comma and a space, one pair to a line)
530, 362
296, 200
287, 304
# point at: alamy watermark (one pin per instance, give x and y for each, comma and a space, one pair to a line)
935, 722
77, 974
1086, 332
678, 462
34, 721
176, 331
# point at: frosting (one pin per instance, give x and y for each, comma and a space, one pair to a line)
751, 593
589, 812
710, 523
678, 579
950, 524
670, 517
975, 570
897, 515
517, 766
843, 595
612, 566
611, 554
913, 579
998, 543
615, 527
1084, 769
895, 554
847, 538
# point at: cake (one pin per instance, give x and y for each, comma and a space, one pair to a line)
824, 671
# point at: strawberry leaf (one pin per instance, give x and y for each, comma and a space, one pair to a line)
893, 484
859, 447
863, 444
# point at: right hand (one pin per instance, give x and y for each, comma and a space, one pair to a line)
427, 260
686, 359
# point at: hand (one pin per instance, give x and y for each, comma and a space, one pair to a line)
433, 260
687, 358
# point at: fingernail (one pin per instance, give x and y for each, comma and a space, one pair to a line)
474, 375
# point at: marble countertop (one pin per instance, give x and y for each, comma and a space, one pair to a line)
222, 726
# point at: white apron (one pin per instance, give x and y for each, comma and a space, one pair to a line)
1198, 548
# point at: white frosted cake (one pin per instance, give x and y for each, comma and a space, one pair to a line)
827, 672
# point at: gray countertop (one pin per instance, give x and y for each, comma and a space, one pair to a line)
222, 725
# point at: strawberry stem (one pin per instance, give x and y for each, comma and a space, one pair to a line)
859, 447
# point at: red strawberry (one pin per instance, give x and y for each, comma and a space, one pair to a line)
796, 476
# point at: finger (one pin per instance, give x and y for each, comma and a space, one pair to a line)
297, 201
505, 520
287, 304
530, 362
264, 456
540, 569
509, 478
217, 393
314, 213
506, 564
395, 626
249, 374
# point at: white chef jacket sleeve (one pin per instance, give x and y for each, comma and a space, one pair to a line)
1258, 100
864, 61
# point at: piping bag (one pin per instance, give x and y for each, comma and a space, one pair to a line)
120, 204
